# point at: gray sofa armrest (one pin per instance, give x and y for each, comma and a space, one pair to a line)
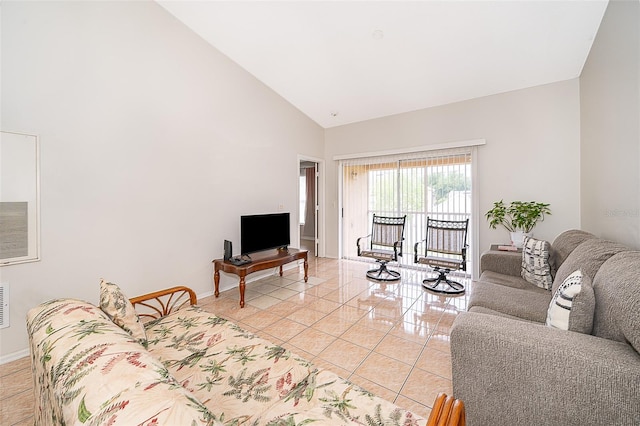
503, 262
510, 372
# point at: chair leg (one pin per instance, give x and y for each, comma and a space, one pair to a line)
383, 274
442, 284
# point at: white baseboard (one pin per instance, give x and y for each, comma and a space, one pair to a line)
13, 356
205, 294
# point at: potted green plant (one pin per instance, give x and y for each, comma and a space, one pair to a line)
518, 217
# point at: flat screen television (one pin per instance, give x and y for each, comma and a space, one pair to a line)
264, 232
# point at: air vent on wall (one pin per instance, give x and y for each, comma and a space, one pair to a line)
4, 305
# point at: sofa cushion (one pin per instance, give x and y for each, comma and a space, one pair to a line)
584, 304
117, 306
506, 280
617, 292
90, 371
572, 305
565, 243
327, 399
244, 379
588, 257
487, 311
529, 304
536, 268
237, 374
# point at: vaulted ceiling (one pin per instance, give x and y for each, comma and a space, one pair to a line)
341, 62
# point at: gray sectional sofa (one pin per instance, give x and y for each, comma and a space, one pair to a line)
510, 368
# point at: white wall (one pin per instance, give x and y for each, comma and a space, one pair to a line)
610, 127
531, 152
152, 145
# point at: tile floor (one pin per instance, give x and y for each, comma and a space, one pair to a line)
392, 339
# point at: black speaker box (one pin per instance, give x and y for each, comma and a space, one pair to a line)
228, 251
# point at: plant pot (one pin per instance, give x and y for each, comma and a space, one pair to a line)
517, 238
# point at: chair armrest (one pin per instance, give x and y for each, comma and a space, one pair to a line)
358, 241
503, 262
160, 303
463, 264
515, 372
397, 247
415, 250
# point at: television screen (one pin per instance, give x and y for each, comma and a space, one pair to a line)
263, 232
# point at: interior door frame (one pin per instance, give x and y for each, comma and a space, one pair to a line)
320, 210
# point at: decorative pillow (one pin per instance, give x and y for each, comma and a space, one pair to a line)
536, 267
573, 305
118, 307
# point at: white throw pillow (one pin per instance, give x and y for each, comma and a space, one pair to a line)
572, 305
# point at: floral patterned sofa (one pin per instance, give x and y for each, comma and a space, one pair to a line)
185, 366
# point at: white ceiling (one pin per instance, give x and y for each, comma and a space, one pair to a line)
341, 62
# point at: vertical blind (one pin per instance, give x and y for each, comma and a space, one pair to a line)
434, 184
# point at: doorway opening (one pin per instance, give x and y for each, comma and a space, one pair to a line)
309, 206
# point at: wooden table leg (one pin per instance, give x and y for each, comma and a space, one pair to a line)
280, 270
216, 282
306, 269
241, 287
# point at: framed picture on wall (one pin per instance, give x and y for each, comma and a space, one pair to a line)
19, 198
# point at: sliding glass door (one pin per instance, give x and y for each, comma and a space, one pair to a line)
435, 184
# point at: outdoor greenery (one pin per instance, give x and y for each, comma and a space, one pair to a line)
442, 184
383, 192
518, 215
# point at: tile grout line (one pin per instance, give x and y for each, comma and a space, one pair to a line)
372, 350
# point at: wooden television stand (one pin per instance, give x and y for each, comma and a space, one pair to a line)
259, 261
